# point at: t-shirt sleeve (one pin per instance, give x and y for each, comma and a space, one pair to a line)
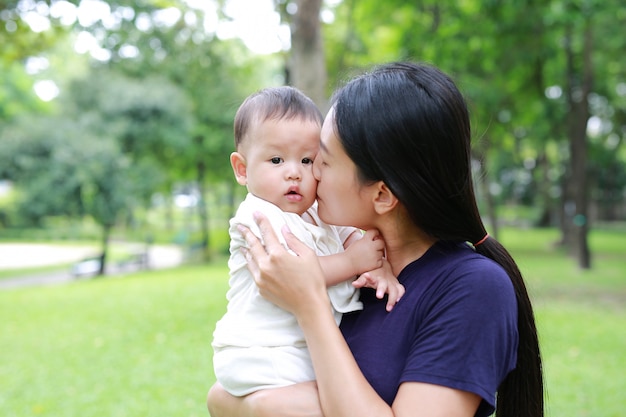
466, 338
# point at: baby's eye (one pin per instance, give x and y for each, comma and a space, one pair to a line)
307, 161
276, 160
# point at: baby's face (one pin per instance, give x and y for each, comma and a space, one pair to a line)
279, 157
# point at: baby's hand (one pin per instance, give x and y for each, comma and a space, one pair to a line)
366, 253
383, 280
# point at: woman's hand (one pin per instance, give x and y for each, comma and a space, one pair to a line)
295, 283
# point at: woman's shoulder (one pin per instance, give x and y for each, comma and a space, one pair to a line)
449, 257
455, 268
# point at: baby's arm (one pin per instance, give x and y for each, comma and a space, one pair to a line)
364, 252
364, 257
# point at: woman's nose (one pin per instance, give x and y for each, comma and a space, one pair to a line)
316, 169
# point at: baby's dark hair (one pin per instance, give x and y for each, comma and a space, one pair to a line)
274, 103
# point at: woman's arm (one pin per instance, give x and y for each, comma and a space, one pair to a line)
221, 404
298, 400
296, 283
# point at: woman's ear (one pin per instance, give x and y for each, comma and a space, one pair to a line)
384, 200
238, 162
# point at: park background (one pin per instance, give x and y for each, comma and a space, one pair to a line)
115, 130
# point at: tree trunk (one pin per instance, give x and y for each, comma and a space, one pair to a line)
579, 87
106, 233
307, 66
543, 190
203, 212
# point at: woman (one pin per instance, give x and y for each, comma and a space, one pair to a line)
395, 156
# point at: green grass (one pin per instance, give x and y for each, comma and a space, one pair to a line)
583, 351
581, 319
130, 346
139, 345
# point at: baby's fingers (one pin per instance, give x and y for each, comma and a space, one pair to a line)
360, 282
395, 293
381, 289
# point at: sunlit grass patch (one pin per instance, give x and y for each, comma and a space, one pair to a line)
583, 351
132, 346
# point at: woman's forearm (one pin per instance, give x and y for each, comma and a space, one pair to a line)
221, 404
297, 400
340, 381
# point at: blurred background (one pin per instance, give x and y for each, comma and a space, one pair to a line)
115, 116
116, 129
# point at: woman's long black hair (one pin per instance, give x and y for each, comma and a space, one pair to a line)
408, 125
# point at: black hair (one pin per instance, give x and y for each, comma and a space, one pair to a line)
274, 103
407, 125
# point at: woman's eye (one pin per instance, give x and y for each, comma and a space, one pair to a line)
275, 160
307, 161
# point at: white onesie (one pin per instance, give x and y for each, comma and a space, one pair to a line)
257, 344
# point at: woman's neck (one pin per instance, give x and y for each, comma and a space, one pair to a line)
404, 242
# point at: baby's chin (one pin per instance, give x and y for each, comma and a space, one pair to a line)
298, 208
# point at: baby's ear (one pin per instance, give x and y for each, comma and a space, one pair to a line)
238, 162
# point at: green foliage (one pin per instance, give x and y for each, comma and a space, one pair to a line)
16, 93
43, 157
149, 118
505, 56
164, 112
16, 37
61, 168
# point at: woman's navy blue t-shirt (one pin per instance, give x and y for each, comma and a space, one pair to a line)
455, 326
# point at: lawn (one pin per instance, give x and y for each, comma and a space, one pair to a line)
139, 345
130, 346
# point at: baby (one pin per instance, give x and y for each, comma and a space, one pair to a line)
258, 345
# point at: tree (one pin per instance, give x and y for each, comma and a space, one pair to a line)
61, 168
307, 63
150, 43
513, 81
579, 86
215, 76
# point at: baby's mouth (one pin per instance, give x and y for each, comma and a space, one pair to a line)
293, 194
293, 190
